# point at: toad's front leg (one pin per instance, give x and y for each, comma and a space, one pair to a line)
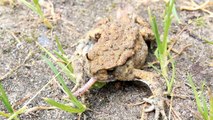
78, 65
85, 87
79, 62
80, 72
156, 100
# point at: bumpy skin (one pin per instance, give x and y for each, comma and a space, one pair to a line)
113, 48
116, 50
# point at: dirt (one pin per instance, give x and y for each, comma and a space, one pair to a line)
20, 29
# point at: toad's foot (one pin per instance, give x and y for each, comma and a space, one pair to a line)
157, 104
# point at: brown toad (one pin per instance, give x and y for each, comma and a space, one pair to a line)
116, 50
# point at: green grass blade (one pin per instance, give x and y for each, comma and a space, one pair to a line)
59, 45
174, 12
209, 42
197, 99
38, 8
173, 77
156, 69
61, 65
63, 106
167, 24
156, 53
66, 89
204, 101
5, 100
14, 116
211, 104
59, 55
59, 77
46, 51
161, 52
66, 61
29, 5
4, 114
154, 26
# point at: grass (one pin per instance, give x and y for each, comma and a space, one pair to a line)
200, 21
208, 41
78, 106
162, 52
5, 100
72, 106
63, 62
201, 102
11, 114
35, 7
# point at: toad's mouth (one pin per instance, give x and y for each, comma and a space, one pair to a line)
105, 75
111, 76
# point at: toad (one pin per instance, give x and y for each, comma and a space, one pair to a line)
116, 50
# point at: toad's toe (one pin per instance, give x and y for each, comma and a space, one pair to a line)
157, 104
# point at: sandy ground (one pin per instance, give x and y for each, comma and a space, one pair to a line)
20, 28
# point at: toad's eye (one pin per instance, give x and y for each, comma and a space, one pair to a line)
110, 71
88, 57
97, 36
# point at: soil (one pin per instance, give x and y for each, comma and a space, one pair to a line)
20, 29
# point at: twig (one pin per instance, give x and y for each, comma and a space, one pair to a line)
39, 108
175, 113
199, 7
16, 38
21, 101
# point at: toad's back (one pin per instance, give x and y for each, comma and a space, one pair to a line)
115, 45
